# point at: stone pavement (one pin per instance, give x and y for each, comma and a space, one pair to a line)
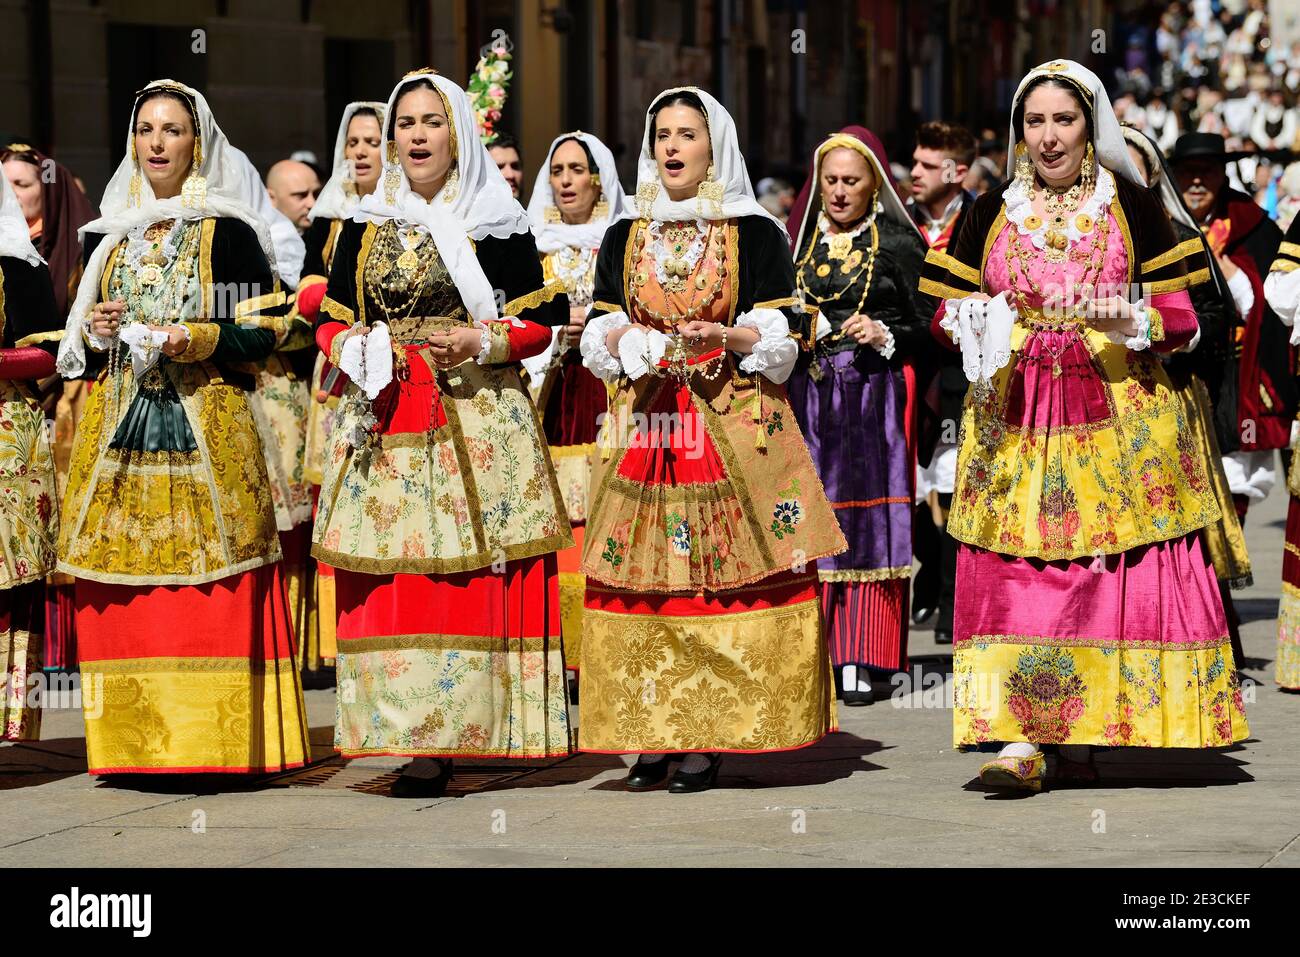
887, 790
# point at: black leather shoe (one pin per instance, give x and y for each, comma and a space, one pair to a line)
412, 787
943, 637
687, 783
856, 699
921, 614
644, 777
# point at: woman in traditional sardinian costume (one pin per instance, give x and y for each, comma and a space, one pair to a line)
702, 627
29, 325
1087, 611
358, 151
184, 636
1282, 290
576, 198
1204, 376
439, 509
857, 263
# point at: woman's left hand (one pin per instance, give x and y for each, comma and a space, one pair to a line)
1114, 314
451, 347
702, 336
178, 339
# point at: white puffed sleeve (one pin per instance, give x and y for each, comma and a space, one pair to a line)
1282, 290
595, 355
775, 352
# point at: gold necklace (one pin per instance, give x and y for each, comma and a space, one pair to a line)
1058, 204
709, 291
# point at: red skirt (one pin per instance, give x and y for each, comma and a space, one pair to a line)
462, 665
190, 678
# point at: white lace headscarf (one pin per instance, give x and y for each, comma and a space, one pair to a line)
336, 200
477, 202
729, 170
552, 237
121, 210
15, 237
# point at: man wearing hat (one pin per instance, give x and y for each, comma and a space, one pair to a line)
1245, 242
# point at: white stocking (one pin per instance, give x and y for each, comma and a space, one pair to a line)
1018, 749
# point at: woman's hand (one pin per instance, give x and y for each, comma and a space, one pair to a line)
615, 336
1114, 314
178, 339
702, 336
866, 330
1229, 268
577, 319
106, 318
453, 346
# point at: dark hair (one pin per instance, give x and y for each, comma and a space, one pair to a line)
956, 141
678, 98
159, 93
1018, 118
25, 155
506, 141
419, 82
364, 111
591, 160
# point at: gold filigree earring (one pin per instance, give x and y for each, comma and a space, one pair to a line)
601, 209
710, 191
646, 194
595, 180
392, 175
1088, 169
1024, 167
194, 191
451, 188
553, 214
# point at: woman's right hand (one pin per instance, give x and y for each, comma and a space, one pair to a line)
106, 318
614, 336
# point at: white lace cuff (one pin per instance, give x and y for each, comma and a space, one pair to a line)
775, 352
951, 322
94, 341
639, 349
595, 354
886, 348
484, 342
1140, 341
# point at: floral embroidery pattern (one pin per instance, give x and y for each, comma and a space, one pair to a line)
448, 701
787, 513
1045, 695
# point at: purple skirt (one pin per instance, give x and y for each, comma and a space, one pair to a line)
853, 422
